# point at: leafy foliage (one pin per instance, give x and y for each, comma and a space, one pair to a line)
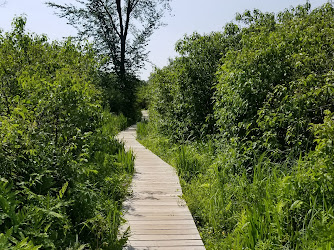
119, 96
63, 175
175, 106
262, 176
143, 95
270, 91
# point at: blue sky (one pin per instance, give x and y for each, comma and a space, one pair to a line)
187, 17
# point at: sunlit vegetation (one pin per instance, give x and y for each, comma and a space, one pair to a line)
63, 175
246, 117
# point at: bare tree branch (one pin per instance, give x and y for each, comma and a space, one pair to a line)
111, 19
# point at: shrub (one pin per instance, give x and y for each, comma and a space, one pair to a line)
181, 104
63, 174
279, 82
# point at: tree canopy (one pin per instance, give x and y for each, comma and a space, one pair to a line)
120, 29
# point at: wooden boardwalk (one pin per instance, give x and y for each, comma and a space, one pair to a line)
157, 217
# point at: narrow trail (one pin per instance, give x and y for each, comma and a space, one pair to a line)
157, 217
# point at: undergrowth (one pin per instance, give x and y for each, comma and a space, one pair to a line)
63, 175
287, 205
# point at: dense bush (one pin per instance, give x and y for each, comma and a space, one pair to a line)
280, 81
181, 103
265, 180
120, 95
63, 175
143, 95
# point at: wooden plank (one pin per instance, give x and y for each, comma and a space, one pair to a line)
143, 197
157, 185
155, 167
162, 226
166, 199
150, 164
157, 189
162, 222
152, 179
155, 209
158, 213
155, 203
159, 192
138, 197
151, 230
163, 231
158, 217
154, 176
148, 212
165, 237
154, 171
154, 189
163, 243
167, 248
159, 182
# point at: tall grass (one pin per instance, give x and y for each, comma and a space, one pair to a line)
127, 160
142, 129
276, 206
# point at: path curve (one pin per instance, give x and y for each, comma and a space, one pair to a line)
157, 216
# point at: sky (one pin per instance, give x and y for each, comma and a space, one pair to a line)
187, 16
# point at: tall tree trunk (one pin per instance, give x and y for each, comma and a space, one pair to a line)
122, 62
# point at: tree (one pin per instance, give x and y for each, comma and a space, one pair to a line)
121, 29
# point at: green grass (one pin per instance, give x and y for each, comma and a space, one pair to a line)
277, 206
